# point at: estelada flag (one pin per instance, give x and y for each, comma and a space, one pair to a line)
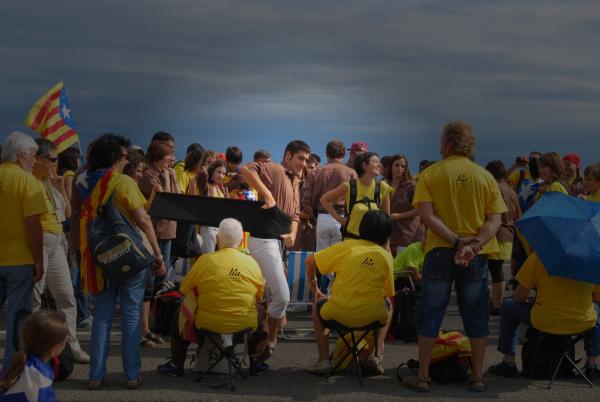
51, 117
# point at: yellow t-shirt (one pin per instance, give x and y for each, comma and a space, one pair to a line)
183, 180
127, 195
562, 306
594, 197
360, 209
363, 278
515, 177
69, 173
462, 193
49, 220
412, 256
21, 196
557, 187
229, 284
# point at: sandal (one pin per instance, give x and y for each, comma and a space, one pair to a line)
95, 385
147, 343
476, 384
154, 338
134, 384
417, 384
264, 355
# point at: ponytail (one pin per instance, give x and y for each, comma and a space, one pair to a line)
16, 367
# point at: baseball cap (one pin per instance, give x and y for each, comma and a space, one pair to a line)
359, 146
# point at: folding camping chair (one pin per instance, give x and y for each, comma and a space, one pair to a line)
300, 294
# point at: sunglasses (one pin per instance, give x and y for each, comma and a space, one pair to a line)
51, 159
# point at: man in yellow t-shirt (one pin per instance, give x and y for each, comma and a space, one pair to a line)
549, 313
227, 285
364, 278
460, 203
21, 251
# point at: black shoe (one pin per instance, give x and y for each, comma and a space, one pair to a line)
170, 369
257, 369
504, 369
494, 311
592, 372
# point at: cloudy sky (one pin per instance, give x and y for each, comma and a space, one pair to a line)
525, 74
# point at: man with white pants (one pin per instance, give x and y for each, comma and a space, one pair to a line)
278, 186
57, 275
327, 178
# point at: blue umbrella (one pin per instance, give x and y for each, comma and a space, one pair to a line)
565, 233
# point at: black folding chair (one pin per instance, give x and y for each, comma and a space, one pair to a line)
568, 342
225, 352
353, 344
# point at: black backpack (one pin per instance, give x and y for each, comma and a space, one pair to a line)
541, 353
164, 307
353, 194
404, 323
116, 245
452, 369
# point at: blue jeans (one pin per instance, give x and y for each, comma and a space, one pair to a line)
512, 314
165, 250
16, 286
131, 295
82, 300
592, 338
439, 273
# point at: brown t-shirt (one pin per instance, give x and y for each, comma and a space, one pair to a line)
283, 184
327, 178
151, 177
410, 230
507, 228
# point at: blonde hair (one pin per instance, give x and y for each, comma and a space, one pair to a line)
553, 161
42, 332
459, 135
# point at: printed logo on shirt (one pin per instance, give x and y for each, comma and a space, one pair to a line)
368, 263
234, 274
463, 181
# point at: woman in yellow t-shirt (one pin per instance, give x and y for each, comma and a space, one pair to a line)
591, 182
551, 171
210, 184
68, 163
368, 167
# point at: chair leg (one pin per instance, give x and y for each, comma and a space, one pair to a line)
356, 352
579, 371
556, 370
230, 362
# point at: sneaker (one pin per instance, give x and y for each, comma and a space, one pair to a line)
169, 368
257, 369
373, 364
504, 369
592, 372
322, 367
81, 357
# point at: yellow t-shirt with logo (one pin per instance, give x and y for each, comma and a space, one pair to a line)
562, 306
229, 284
360, 209
363, 278
462, 193
21, 196
49, 220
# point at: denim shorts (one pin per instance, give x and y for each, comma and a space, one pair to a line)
439, 274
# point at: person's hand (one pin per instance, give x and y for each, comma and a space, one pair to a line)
318, 295
288, 240
464, 256
38, 271
57, 181
269, 201
159, 267
343, 220
473, 241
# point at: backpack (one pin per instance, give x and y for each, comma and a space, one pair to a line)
404, 323
541, 353
450, 359
116, 245
164, 307
63, 364
353, 194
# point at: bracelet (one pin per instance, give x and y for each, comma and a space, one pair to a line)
456, 242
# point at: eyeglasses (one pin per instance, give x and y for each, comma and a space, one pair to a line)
51, 159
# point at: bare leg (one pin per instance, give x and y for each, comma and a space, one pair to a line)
144, 317
478, 348
321, 335
382, 332
274, 325
425, 348
498, 293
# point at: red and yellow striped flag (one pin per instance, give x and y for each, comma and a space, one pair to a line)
51, 117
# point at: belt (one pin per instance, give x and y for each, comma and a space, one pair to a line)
342, 212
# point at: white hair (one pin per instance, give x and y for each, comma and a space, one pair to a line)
230, 233
16, 143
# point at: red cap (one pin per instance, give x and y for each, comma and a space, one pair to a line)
359, 146
573, 158
221, 156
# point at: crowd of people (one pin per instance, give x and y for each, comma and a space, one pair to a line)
369, 222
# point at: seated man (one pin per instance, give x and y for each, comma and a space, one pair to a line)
364, 278
228, 285
409, 264
548, 313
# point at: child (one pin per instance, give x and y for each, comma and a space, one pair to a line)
29, 377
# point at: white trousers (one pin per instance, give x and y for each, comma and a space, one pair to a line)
328, 231
267, 253
209, 239
57, 277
